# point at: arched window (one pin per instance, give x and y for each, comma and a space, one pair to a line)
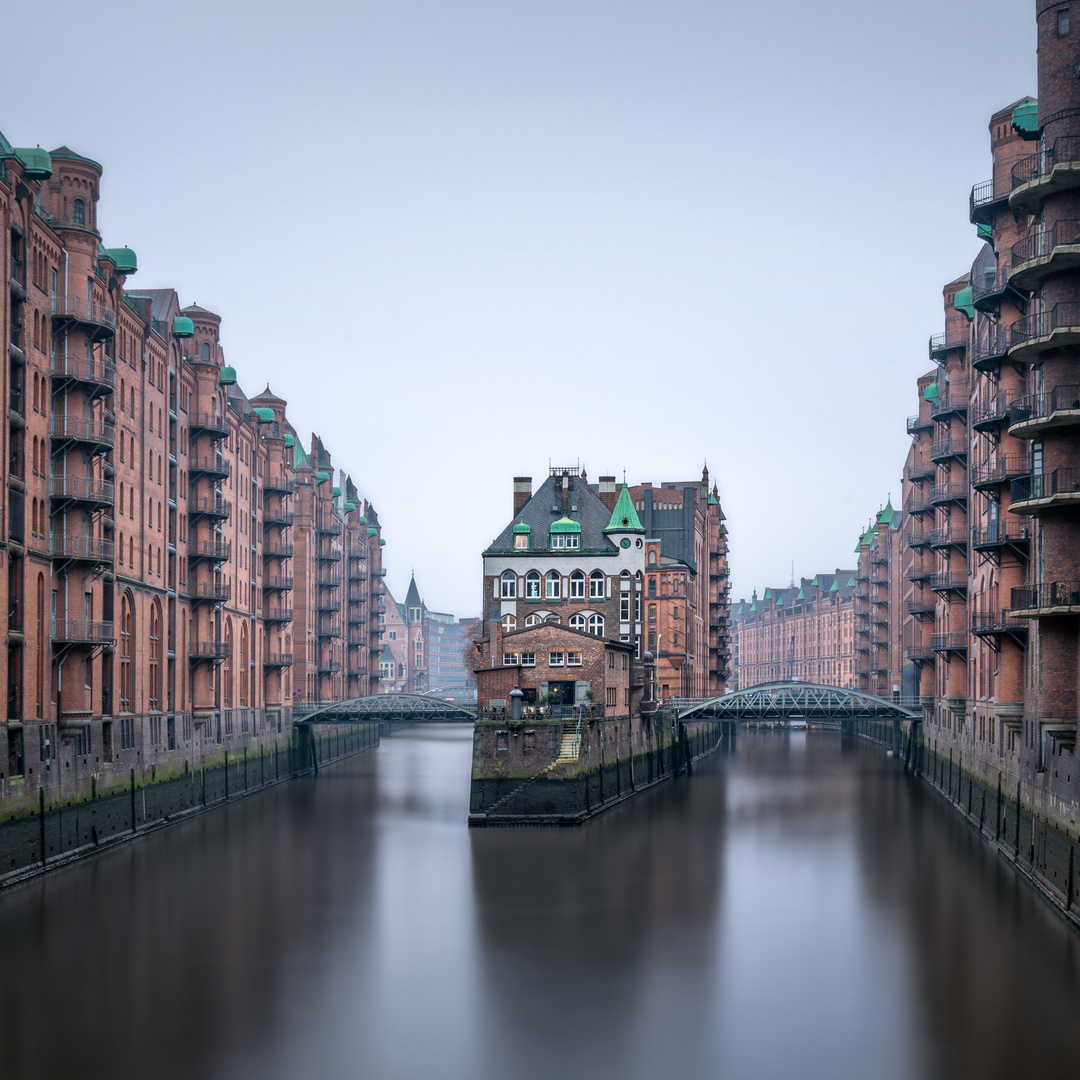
554, 585
577, 585
596, 625
596, 585
155, 657
243, 664
578, 622
227, 676
652, 585
532, 585
508, 623
206, 350
509, 585
533, 620
78, 212
127, 637
652, 557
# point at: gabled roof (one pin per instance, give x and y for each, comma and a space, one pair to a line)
412, 597
545, 507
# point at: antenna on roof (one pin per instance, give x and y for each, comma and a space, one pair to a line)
792, 585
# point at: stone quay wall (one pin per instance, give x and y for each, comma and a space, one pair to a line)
518, 777
61, 829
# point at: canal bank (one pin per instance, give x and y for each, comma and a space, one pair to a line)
1016, 820
543, 769
60, 830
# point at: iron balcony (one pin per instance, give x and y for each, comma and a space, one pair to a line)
1032, 414
277, 551
987, 198
277, 615
987, 474
277, 660
98, 320
79, 429
949, 581
954, 402
1045, 491
82, 489
987, 413
1034, 334
919, 574
915, 425
212, 651
1045, 599
278, 518
81, 632
1035, 176
328, 629
212, 424
920, 607
944, 449
215, 592
277, 485
96, 376
214, 550
329, 667
918, 504
946, 342
948, 493
74, 548
209, 465
956, 536
208, 506
921, 654
996, 623
990, 288
1045, 252
1004, 534
942, 643
988, 352
277, 583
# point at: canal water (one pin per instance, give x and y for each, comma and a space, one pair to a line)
795, 909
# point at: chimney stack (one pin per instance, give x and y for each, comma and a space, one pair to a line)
609, 491
522, 493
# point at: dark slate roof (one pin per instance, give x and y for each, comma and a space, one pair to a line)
673, 528
543, 508
412, 597
610, 642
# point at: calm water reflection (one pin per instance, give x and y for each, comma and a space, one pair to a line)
795, 909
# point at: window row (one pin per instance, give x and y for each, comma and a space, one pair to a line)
586, 622
555, 659
552, 584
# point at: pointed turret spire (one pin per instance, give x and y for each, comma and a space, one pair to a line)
624, 517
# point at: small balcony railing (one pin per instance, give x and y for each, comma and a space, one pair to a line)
949, 581
1062, 320
328, 579
209, 650
1046, 598
990, 349
277, 551
277, 660
80, 369
946, 342
209, 465
987, 412
940, 643
277, 615
946, 493
278, 484
214, 550
1057, 407
74, 309
1035, 167
81, 631
81, 548
328, 628
208, 506
985, 195
989, 623
1062, 485
277, 582
82, 489
943, 449
920, 654
988, 287
277, 517
1003, 534
915, 425
918, 505
216, 592
329, 667
83, 430
950, 537
1041, 246
212, 424
1008, 467
921, 607
951, 402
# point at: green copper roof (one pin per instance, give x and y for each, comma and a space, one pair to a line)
350, 507
335, 492
521, 527
227, 376
931, 393
372, 530
835, 587
713, 500
767, 594
382, 543
1025, 117
962, 302
36, 163
182, 326
361, 520
624, 517
780, 600
565, 525
815, 582
125, 260
801, 595
739, 610
289, 440
320, 476
851, 583
886, 515
753, 606
985, 232
265, 415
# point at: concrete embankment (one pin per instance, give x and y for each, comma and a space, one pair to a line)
56, 832
540, 771
1004, 810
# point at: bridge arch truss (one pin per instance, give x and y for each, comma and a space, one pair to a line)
786, 700
389, 709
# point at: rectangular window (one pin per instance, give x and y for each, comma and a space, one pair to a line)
624, 607
528, 659
521, 542
573, 659
611, 661
1063, 22
556, 659
610, 695
510, 659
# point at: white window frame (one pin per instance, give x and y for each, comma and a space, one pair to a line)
553, 585
528, 659
509, 622
533, 585
577, 585
596, 625
597, 585
508, 583
533, 620
578, 621
573, 658
556, 659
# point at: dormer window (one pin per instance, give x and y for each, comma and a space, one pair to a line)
565, 535
521, 536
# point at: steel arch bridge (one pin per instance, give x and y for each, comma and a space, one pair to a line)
388, 709
788, 700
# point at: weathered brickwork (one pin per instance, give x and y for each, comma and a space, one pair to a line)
152, 518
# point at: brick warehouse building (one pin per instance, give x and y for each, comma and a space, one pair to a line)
985, 603
151, 515
580, 556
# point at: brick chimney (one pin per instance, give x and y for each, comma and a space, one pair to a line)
522, 493
608, 491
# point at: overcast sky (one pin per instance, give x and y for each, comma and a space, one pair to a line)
464, 239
